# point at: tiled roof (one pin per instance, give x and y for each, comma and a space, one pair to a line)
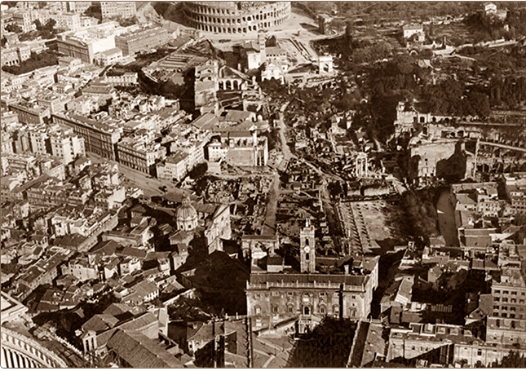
117, 308
156, 255
466, 198
260, 237
237, 116
139, 351
204, 208
139, 323
133, 252
205, 121
99, 323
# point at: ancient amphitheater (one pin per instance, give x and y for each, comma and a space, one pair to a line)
236, 17
19, 351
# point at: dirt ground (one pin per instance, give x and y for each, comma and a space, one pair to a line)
383, 221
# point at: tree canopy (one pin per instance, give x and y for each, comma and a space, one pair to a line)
511, 360
328, 345
44, 59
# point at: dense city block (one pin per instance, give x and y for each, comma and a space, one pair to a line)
263, 184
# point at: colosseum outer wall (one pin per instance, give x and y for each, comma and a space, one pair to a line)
235, 17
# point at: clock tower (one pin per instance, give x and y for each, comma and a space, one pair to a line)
307, 249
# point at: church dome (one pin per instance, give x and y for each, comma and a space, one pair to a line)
186, 216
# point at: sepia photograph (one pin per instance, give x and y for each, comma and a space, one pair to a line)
263, 184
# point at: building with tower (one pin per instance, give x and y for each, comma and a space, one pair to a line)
307, 249
236, 17
290, 297
264, 51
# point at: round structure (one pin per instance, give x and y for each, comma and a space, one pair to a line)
186, 216
19, 351
236, 17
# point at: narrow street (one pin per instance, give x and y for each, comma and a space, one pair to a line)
446, 218
273, 195
269, 228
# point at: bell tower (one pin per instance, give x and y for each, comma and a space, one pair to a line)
307, 249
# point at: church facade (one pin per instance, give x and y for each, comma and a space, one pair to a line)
208, 221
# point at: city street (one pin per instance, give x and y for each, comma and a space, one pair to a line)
150, 186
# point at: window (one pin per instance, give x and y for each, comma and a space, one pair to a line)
505, 292
479, 352
514, 292
496, 307
258, 310
306, 311
307, 256
497, 299
322, 309
290, 309
275, 293
275, 309
504, 300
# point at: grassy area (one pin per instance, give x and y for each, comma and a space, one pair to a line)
45, 59
421, 212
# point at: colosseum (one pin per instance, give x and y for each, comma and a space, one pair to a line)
236, 17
